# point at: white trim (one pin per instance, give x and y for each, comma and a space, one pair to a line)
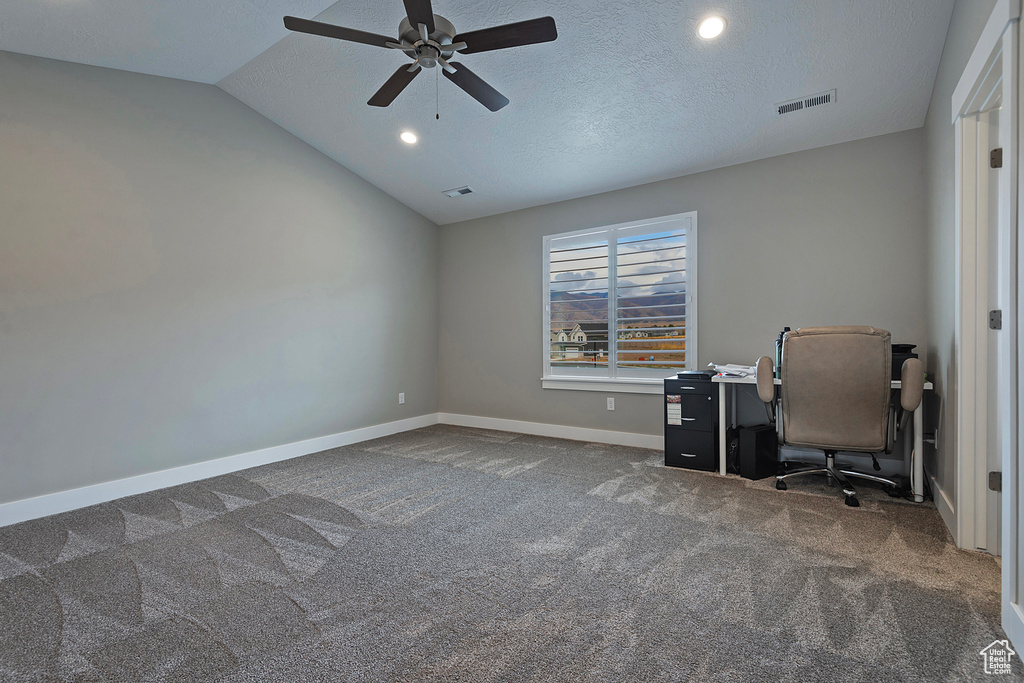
620, 386
990, 77
62, 501
1004, 12
1006, 269
652, 441
73, 499
1013, 622
945, 507
1013, 484
608, 233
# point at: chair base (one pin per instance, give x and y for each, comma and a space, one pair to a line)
835, 475
873, 477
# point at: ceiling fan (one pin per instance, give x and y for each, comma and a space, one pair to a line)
430, 40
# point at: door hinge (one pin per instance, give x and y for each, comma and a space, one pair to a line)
995, 158
995, 320
995, 481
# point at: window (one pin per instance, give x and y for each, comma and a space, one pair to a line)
629, 292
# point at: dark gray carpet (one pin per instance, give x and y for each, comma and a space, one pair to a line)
459, 554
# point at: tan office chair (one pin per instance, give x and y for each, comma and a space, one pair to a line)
836, 396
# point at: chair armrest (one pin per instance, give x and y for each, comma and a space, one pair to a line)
912, 381
766, 379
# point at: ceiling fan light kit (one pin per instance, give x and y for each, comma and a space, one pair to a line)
431, 41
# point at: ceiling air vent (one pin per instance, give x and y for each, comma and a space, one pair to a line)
457, 192
815, 100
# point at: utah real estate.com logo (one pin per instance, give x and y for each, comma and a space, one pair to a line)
997, 657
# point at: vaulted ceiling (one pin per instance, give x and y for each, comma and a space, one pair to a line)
628, 93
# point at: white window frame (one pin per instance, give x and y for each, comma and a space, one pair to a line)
612, 382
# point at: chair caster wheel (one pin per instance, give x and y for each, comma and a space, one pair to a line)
852, 501
895, 493
780, 485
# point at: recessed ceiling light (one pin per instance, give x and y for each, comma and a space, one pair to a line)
408, 137
711, 27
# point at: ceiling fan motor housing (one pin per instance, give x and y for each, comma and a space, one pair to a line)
428, 52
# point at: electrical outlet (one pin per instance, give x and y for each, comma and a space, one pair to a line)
401, 398
611, 403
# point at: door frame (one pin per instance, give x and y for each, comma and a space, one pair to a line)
991, 78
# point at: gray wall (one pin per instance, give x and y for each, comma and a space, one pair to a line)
966, 24
829, 236
182, 280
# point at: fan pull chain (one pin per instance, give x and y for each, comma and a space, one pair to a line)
437, 93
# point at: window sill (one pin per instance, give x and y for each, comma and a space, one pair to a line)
620, 386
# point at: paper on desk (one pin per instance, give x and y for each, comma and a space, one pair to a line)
733, 370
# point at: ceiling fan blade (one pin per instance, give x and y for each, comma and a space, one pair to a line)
420, 12
476, 87
317, 28
396, 84
510, 35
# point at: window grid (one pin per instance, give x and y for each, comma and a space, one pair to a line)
648, 326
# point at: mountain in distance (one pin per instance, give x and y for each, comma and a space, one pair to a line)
578, 307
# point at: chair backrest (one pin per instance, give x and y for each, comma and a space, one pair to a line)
835, 388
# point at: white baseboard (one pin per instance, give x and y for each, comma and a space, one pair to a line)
62, 501
945, 507
654, 441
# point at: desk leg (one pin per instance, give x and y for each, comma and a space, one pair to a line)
918, 455
732, 405
721, 428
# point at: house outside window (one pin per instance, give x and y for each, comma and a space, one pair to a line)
627, 295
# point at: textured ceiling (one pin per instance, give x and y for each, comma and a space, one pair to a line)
627, 94
196, 40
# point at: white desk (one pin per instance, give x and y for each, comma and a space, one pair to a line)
912, 454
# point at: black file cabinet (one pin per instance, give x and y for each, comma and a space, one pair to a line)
691, 423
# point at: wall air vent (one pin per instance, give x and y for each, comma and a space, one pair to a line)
457, 192
816, 100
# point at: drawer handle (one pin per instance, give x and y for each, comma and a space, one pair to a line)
689, 388
688, 455
689, 419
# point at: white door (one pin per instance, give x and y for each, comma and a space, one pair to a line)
983, 380
988, 182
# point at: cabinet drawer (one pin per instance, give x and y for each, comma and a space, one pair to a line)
678, 386
692, 449
693, 412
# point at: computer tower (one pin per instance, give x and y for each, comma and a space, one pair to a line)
900, 353
759, 451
